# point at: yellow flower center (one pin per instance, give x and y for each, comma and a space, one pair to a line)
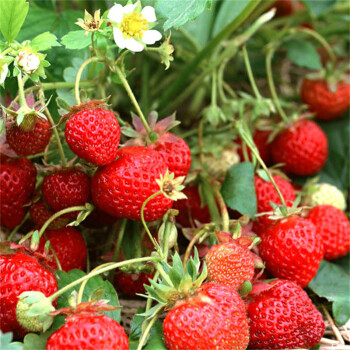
133, 24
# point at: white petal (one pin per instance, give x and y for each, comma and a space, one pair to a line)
133, 45
151, 36
149, 13
115, 14
129, 8
3, 73
119, 38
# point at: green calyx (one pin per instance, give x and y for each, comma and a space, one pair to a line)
33, 311
176, 283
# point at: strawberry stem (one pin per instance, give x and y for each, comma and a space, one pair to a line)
272, 87
147, 330
78, 77
102, 268
54, 130
22, 97
254, 150
156, 245
118, 245
250, 72
54, 254
133, 100
223, 209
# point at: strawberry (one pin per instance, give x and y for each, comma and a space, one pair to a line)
120, 188
212, 318
176, 153
132, 283
30, 137
69, 246
66, 188
318, 194
88, 331
283, 317
266, 193
93, 135
334, 228
17, 180
291, 249
260, 139
287, 7
302, 147
326, 104
229, 263
98, 219
19, 273
190, 209
40, 213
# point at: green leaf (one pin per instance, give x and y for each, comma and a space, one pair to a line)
238, 189
337, 168
303, 54
318, 7
76, 40
6, 342
229, 10
93, 283
177, 13
344, 263
35, 341
13, 14
332, 283
44, 41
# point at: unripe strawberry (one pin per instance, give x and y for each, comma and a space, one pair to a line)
324, 193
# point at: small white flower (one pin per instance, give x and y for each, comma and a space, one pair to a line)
131, 29
3, 70
28, 61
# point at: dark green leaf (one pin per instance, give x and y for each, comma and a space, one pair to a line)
177, 13
303, 54
332, 283
131, 240
44, 41
344, 263
229, 10
92, 285
76, 40
12, 16
319, 6
238, 189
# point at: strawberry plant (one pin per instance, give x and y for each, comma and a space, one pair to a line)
174, 174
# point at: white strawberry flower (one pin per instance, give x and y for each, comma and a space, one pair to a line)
28, 61
3, 70
132, 26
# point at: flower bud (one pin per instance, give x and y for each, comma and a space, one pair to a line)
28, 61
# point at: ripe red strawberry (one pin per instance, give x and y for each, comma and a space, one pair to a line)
266, 193
214, 318
120, 188
291, 249
230, 263
19, 273
29, 138
98, 218
303, 148
66, 188
334, 228
176, 153
132, 283
93, 135
69, 246
287, 7
89, 332
40, 213
17, 180
260, 138
321, 100
190, 209
283, 317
